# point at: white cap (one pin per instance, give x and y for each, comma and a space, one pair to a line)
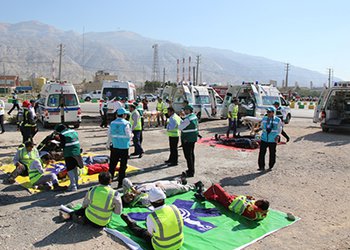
156, 194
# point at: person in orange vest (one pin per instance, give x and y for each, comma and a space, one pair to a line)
246, 206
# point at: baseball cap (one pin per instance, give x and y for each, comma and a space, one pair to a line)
276, 103
271, 109
188, 107
122, 111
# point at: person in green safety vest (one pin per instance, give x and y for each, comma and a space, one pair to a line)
24, 156
160, 111
99, 204
246, 206
136, 127
164, 224
189, 135
38, 177
69, 141
232, 117
139, 108
173, 134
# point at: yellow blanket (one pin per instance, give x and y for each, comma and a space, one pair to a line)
83, 177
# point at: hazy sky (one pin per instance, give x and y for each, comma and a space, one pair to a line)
307, 33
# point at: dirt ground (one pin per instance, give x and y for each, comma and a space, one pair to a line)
311, 179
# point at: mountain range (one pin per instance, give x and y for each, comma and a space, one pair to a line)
32, 48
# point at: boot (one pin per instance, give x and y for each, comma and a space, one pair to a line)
73, 184
57, 187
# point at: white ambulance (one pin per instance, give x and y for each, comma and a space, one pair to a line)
114, 89
333, 107
59, 103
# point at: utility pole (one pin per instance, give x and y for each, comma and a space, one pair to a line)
198, 61
287, 70
60, 62
155, 70
329, 77
194, 75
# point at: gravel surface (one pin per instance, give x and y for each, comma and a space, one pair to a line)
310, 179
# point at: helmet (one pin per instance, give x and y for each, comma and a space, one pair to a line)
26, 104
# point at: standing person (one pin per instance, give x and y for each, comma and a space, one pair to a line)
160, 108
145, 103
117, 105
28, 126
232, 117
282, 114
99, 204
104, 113
271, 127
15, 103
173, 134
189, 135
24, 157
139, 107
2, 114
71, 152
164, 224
37, 176
136, 128
119, 135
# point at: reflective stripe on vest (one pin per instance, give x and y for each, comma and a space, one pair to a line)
27, 158
34, 174
72, 145
169, 226
138, 126
100, 209
238, 205
189, 130
175, 132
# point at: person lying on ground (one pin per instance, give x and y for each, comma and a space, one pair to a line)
246, 206
99, 204
138, 195
23, 158
38, 177
164, 224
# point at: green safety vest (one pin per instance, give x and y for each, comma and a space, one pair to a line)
239, 204
34, 174
160, 107
100, 209
27, 158
168, 228
138, 126
175, 132
190, 133
72, 146
234, 113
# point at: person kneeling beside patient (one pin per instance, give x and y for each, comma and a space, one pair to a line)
246, 206
99, 204
164, 224
38, 177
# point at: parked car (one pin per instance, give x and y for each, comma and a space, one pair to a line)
149, 97
96, 94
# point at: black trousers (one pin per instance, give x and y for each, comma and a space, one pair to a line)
81, 213
104, 120
26, 134
141, 233
188, 149
15, 105
2, 123
137, 140
119, 155
173, 142
285, 134
272, 150
232, 126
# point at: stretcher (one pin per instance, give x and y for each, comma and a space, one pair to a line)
252, 122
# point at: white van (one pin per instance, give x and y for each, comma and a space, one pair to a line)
206, 102
114, 89
96, 94
333, 107
59, 103
254, 98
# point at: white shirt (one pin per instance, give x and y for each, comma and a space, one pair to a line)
151, 228
32, 110
117, 105
184, 123
2, 107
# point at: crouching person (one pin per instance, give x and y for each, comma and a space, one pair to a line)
164, 224
38, 177
246, 206
99, 204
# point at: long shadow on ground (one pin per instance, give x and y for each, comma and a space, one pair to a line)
241, 180
331, 139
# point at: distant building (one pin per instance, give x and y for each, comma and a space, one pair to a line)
96, 84
8, 83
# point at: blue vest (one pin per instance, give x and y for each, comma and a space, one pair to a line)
120, 140
274, 125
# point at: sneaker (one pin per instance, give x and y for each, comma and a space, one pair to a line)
172, 164
199, 185
183, 180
